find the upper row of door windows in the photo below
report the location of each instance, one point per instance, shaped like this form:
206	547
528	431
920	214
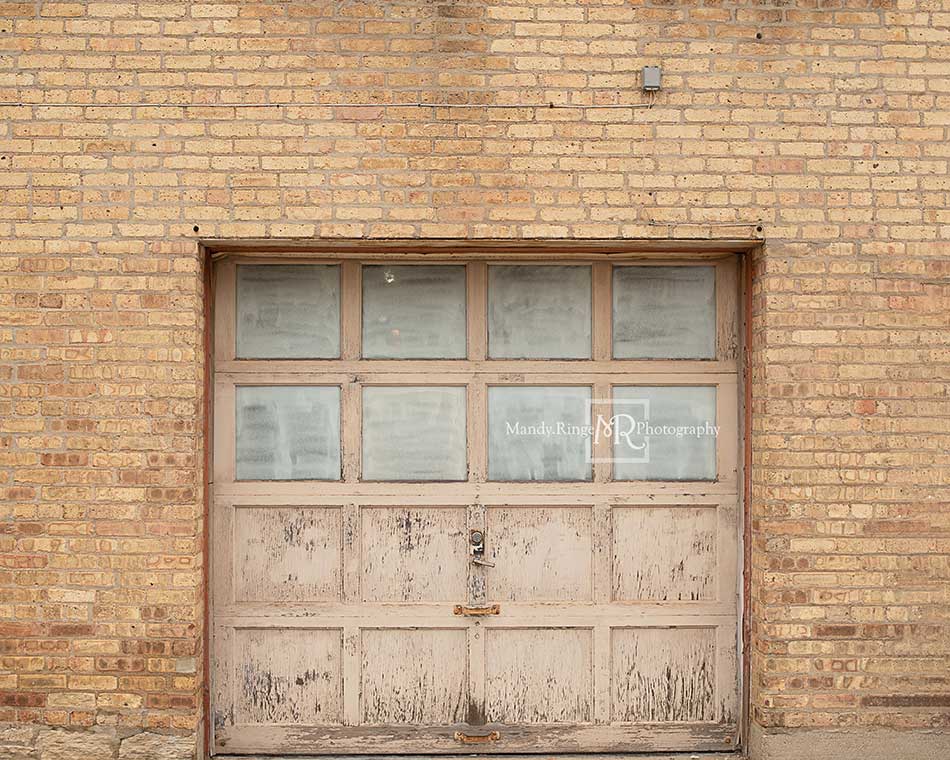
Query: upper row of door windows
416	311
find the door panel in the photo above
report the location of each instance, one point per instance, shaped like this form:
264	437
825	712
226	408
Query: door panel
288	676
414	554
541	554
432	551
582	648
287	554
661	675
539	675
663	554
415	677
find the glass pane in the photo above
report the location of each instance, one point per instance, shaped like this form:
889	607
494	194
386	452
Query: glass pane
288	311
414	312
664	312
288	432
414	433
665	433
539	312
539	433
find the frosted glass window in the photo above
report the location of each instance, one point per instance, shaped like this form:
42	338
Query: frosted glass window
539	433
415	433
672	433
664	312
414	312
288	432
539	312
288	311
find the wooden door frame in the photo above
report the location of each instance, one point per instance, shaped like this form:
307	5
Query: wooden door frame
746	250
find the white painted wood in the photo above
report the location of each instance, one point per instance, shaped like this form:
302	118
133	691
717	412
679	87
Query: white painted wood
223	444
351	429
479	756
601	663
664	553
477	423
602	328
352	667
727	308
414	554
544	739
334	626
291	492
413	676
288	676
541	554
510	614
664	675
525	367
223	276
351	299
539	675
477	311
287	554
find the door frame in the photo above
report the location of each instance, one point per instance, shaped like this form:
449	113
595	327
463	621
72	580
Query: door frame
747	250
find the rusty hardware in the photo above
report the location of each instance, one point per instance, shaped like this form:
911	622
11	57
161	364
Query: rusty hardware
477	541
492	609
494	736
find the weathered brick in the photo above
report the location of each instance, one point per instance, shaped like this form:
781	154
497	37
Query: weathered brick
825	137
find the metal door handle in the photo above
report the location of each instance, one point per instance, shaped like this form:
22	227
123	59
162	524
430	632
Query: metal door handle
492	609
494	736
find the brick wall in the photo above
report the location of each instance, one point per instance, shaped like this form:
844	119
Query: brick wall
820	127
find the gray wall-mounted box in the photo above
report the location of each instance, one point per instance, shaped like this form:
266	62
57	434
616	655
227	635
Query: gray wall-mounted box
651	78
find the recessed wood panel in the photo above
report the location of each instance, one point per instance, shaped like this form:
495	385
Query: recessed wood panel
540	553
287	554
663	674
664	554
288	676
414	554
414	676
538	675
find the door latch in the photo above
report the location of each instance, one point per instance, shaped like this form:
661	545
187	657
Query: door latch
477	542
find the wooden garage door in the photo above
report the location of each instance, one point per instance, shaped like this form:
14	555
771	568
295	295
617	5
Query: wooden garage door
474	506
